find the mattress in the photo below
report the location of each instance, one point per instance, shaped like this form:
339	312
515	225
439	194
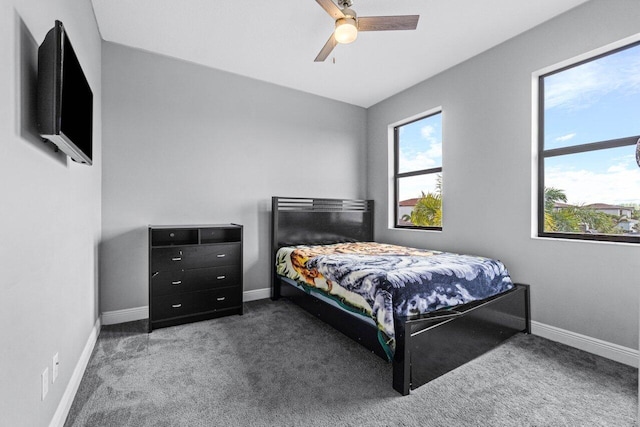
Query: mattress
384	282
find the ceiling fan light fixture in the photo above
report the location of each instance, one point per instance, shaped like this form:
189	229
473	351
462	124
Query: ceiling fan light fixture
346	30
348	25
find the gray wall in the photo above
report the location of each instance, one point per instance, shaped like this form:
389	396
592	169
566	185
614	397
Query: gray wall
50	215
185	144
586	288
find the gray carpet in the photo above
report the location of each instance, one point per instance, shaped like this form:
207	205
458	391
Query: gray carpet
279	366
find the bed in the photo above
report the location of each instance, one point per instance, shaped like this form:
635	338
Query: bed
422	340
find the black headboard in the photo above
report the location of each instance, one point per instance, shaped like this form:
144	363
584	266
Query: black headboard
299	221
308	221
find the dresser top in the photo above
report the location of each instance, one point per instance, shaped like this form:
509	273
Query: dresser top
192	226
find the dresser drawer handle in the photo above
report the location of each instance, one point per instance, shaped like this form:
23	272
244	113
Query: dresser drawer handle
176	305
176	282
177	258
221	277
221	298
221	255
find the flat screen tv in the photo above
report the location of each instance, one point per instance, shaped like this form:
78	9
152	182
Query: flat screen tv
64	100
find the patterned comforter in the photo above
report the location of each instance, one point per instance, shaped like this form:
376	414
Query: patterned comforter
381	280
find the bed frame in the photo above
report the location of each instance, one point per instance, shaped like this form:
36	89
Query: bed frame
427	346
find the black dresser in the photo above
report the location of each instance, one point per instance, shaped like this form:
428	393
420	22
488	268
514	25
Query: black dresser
195	273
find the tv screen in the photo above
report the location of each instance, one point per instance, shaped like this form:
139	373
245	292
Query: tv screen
65	100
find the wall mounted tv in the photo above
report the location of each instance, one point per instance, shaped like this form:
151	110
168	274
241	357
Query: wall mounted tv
65	100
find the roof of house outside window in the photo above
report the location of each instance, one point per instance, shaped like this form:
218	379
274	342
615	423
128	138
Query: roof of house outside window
607	206
596	206
408	202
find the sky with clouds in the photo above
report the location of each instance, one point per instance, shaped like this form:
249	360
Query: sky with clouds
420	148
596	101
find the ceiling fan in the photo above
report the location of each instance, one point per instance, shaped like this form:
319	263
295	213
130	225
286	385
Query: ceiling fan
348	24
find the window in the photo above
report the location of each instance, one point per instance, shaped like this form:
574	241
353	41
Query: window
589	125
418	173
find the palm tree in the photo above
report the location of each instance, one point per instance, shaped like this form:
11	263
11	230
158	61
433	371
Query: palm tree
574	219
551	196
427	211
552	221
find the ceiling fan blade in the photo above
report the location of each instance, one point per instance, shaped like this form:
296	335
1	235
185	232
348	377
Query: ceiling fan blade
384	23
331	8
326	49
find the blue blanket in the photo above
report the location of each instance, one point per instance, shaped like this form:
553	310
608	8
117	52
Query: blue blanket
387	281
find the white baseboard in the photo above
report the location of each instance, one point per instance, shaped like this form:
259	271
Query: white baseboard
69	394
256	294
126	315
616	352
140	313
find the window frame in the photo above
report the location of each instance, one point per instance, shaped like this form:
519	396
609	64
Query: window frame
575	149
397	176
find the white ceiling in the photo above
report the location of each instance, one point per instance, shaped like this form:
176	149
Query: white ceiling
276	41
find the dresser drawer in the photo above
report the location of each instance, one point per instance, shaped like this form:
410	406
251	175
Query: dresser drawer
168	306
214	277
218	299
178	281
214	255
168	282
164	259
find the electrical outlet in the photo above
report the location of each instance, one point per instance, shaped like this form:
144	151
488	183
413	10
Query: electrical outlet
45	382
54	372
